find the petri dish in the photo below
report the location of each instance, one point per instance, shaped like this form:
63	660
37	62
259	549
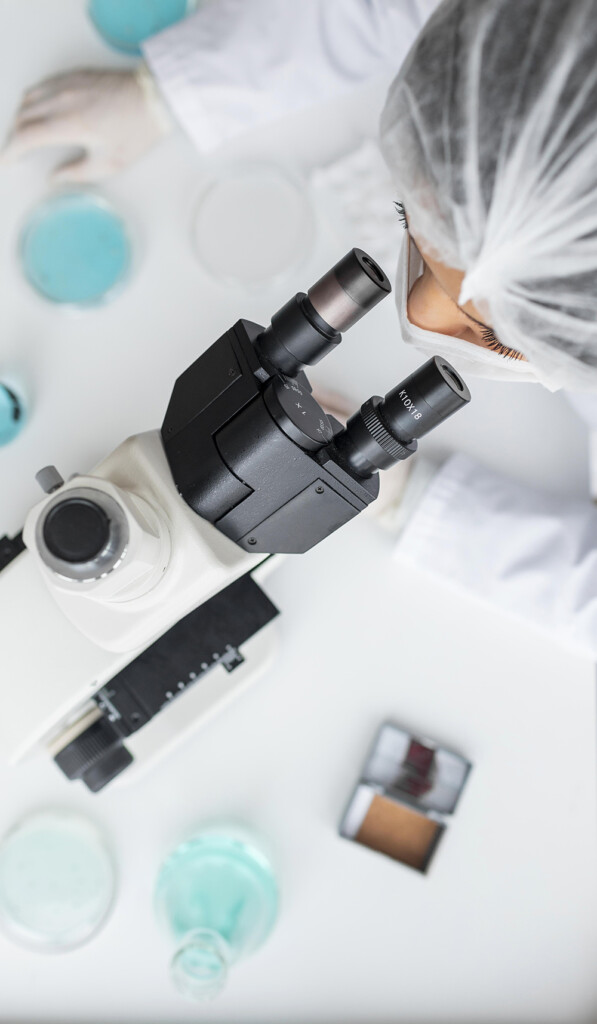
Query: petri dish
12	414
57	881
75	249
252	225
124	24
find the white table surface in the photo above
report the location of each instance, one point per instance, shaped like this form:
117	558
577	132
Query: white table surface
504	928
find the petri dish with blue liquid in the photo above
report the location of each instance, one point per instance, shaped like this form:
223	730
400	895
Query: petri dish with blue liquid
75	249
12	413
57	881
125	24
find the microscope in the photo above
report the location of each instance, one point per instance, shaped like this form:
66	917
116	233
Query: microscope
132	604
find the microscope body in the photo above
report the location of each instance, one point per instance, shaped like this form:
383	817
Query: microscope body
132	606
174	560
252	452
70	639
59	686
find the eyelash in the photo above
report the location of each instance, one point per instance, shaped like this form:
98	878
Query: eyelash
487	334
491	341
402	215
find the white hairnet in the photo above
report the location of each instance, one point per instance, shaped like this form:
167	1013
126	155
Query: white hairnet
490	131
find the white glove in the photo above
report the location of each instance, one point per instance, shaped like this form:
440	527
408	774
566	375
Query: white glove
113	116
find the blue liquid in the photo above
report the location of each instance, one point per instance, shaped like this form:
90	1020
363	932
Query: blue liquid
56	881
124	24
216	896
12	415
74	249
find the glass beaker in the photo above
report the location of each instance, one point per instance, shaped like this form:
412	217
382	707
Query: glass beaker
12	413
125	24
217	897
75	248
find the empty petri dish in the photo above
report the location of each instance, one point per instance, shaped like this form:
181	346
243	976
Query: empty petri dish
252	225
57	881
124	24
12	414
75	248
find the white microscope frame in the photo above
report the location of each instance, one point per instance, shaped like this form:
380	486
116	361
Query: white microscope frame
61	641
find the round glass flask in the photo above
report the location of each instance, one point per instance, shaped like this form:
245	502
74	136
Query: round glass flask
217	898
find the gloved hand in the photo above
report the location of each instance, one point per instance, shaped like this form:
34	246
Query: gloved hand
113	116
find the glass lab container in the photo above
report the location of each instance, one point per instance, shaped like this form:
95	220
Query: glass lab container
253	224
12	413
217	899
57	881
75	248
125	24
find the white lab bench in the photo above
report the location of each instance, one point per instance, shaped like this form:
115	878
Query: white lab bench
504	927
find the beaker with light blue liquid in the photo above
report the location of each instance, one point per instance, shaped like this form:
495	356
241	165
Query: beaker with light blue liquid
12	413
75	248
217	898
125	24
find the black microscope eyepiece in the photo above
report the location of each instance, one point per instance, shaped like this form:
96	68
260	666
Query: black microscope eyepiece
425	399
385	430
309	326
250	448
349	290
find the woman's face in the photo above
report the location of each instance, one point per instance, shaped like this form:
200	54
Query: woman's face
433	306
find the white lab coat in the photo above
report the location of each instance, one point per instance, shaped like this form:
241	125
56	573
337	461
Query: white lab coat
236	64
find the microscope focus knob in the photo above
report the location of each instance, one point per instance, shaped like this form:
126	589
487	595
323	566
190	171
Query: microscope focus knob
49	479
96	755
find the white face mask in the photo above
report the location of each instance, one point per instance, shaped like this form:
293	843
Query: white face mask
468	359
